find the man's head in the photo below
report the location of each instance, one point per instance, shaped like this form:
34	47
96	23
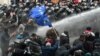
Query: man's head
88	32
34	36
82	38
89	28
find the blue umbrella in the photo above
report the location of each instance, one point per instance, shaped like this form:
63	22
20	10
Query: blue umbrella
38	13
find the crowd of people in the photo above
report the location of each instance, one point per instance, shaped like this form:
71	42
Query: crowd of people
54	44
56	11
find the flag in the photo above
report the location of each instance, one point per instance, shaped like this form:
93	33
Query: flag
43	21
38	13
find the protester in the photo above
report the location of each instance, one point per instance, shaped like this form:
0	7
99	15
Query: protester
89	35
33	45
79	41
17	49
48	49
64	38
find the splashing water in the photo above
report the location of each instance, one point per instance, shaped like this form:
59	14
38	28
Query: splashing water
74	24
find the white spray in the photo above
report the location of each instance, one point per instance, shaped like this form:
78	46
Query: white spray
73	22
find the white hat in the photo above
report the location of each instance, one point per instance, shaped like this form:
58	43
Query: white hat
63	34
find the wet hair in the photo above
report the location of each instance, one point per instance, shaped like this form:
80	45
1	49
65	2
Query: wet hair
88	28
33	35
52	33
